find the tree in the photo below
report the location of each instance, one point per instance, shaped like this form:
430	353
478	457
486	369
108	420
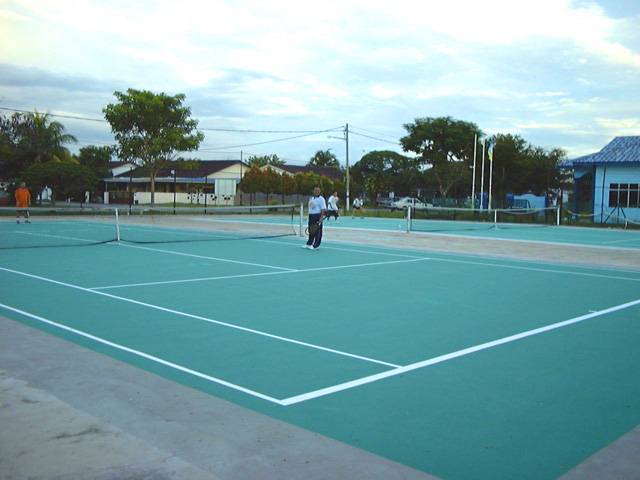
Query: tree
29	139
380	171
262	160
96	158
287	185
269	182
519	167
67	180
47	138
324	158
445	145
151	128
13	158
305	182
251	182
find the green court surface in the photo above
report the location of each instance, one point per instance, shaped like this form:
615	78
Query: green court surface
589	236
463	367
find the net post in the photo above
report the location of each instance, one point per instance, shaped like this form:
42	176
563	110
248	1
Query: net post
301	219
408	219
495	218
117	220
557	216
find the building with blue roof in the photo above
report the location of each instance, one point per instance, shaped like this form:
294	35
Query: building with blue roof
606	183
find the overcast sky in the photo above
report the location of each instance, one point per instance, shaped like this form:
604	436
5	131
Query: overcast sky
559	73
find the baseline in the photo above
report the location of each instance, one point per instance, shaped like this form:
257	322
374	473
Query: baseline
450	356
143	355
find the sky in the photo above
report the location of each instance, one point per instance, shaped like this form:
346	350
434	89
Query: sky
559	73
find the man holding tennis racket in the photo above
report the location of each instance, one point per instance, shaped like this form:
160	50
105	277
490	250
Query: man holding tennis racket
317	208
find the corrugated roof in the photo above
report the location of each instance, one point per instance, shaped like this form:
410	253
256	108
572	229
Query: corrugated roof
204	168
324	171
619	150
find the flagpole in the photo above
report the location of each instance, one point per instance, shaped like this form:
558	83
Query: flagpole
473	181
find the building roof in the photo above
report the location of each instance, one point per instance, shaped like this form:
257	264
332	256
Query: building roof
329	172
203	169
620	150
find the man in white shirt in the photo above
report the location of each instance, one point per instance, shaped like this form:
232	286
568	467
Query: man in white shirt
317	209
357	207
332	207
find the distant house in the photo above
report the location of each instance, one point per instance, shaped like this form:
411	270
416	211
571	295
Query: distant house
606	183
330	172
211	181
118	168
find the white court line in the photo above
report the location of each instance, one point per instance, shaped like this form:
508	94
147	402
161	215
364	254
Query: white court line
326	247
535	269
204	279
144	355
188	280
58	236
449	356
226	260
623	241
205	257
516	267
204	319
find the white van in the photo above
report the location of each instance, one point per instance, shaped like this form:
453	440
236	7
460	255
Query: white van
408	202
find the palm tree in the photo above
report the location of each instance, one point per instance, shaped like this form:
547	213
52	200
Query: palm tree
46	139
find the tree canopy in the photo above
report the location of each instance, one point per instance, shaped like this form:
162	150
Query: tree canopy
445	145
324	158
262	160
151	128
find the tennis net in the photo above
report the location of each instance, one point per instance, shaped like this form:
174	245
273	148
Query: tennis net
434	219
82	226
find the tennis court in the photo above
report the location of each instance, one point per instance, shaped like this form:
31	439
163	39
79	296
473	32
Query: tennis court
615	237
459	366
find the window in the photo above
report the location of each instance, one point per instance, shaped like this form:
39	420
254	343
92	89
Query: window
624	195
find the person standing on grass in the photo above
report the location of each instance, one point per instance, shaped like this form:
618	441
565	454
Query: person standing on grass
317	209
332	207
357	207
23	201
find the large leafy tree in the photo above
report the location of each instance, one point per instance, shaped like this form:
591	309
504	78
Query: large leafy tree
27	139
96	158
385	170
519	167
444	145
67	180
324	158
151	128
13	130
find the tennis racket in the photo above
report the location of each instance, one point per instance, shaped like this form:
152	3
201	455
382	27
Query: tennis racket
312	229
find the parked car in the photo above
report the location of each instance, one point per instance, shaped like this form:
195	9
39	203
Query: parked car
408	202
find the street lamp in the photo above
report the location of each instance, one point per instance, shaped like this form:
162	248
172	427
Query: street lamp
345	138
130	189
173	172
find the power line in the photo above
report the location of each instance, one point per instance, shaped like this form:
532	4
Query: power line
74	117
57	115
374	138
373	132
268	141
267	131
